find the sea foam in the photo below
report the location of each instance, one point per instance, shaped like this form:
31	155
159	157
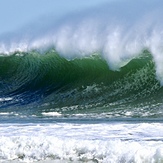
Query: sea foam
76	142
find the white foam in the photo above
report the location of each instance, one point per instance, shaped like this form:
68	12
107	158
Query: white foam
5	113
101	142
5	99
51	114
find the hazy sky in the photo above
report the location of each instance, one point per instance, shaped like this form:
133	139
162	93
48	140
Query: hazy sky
17	13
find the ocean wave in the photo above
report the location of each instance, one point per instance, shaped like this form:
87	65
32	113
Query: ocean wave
79	84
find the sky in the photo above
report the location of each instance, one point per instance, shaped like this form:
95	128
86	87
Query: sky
15	14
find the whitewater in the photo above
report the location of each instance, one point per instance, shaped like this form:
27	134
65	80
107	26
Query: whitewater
85	87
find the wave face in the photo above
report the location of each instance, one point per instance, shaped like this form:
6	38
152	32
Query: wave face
86	85
105	60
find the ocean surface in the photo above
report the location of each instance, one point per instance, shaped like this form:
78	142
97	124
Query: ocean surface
85	88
